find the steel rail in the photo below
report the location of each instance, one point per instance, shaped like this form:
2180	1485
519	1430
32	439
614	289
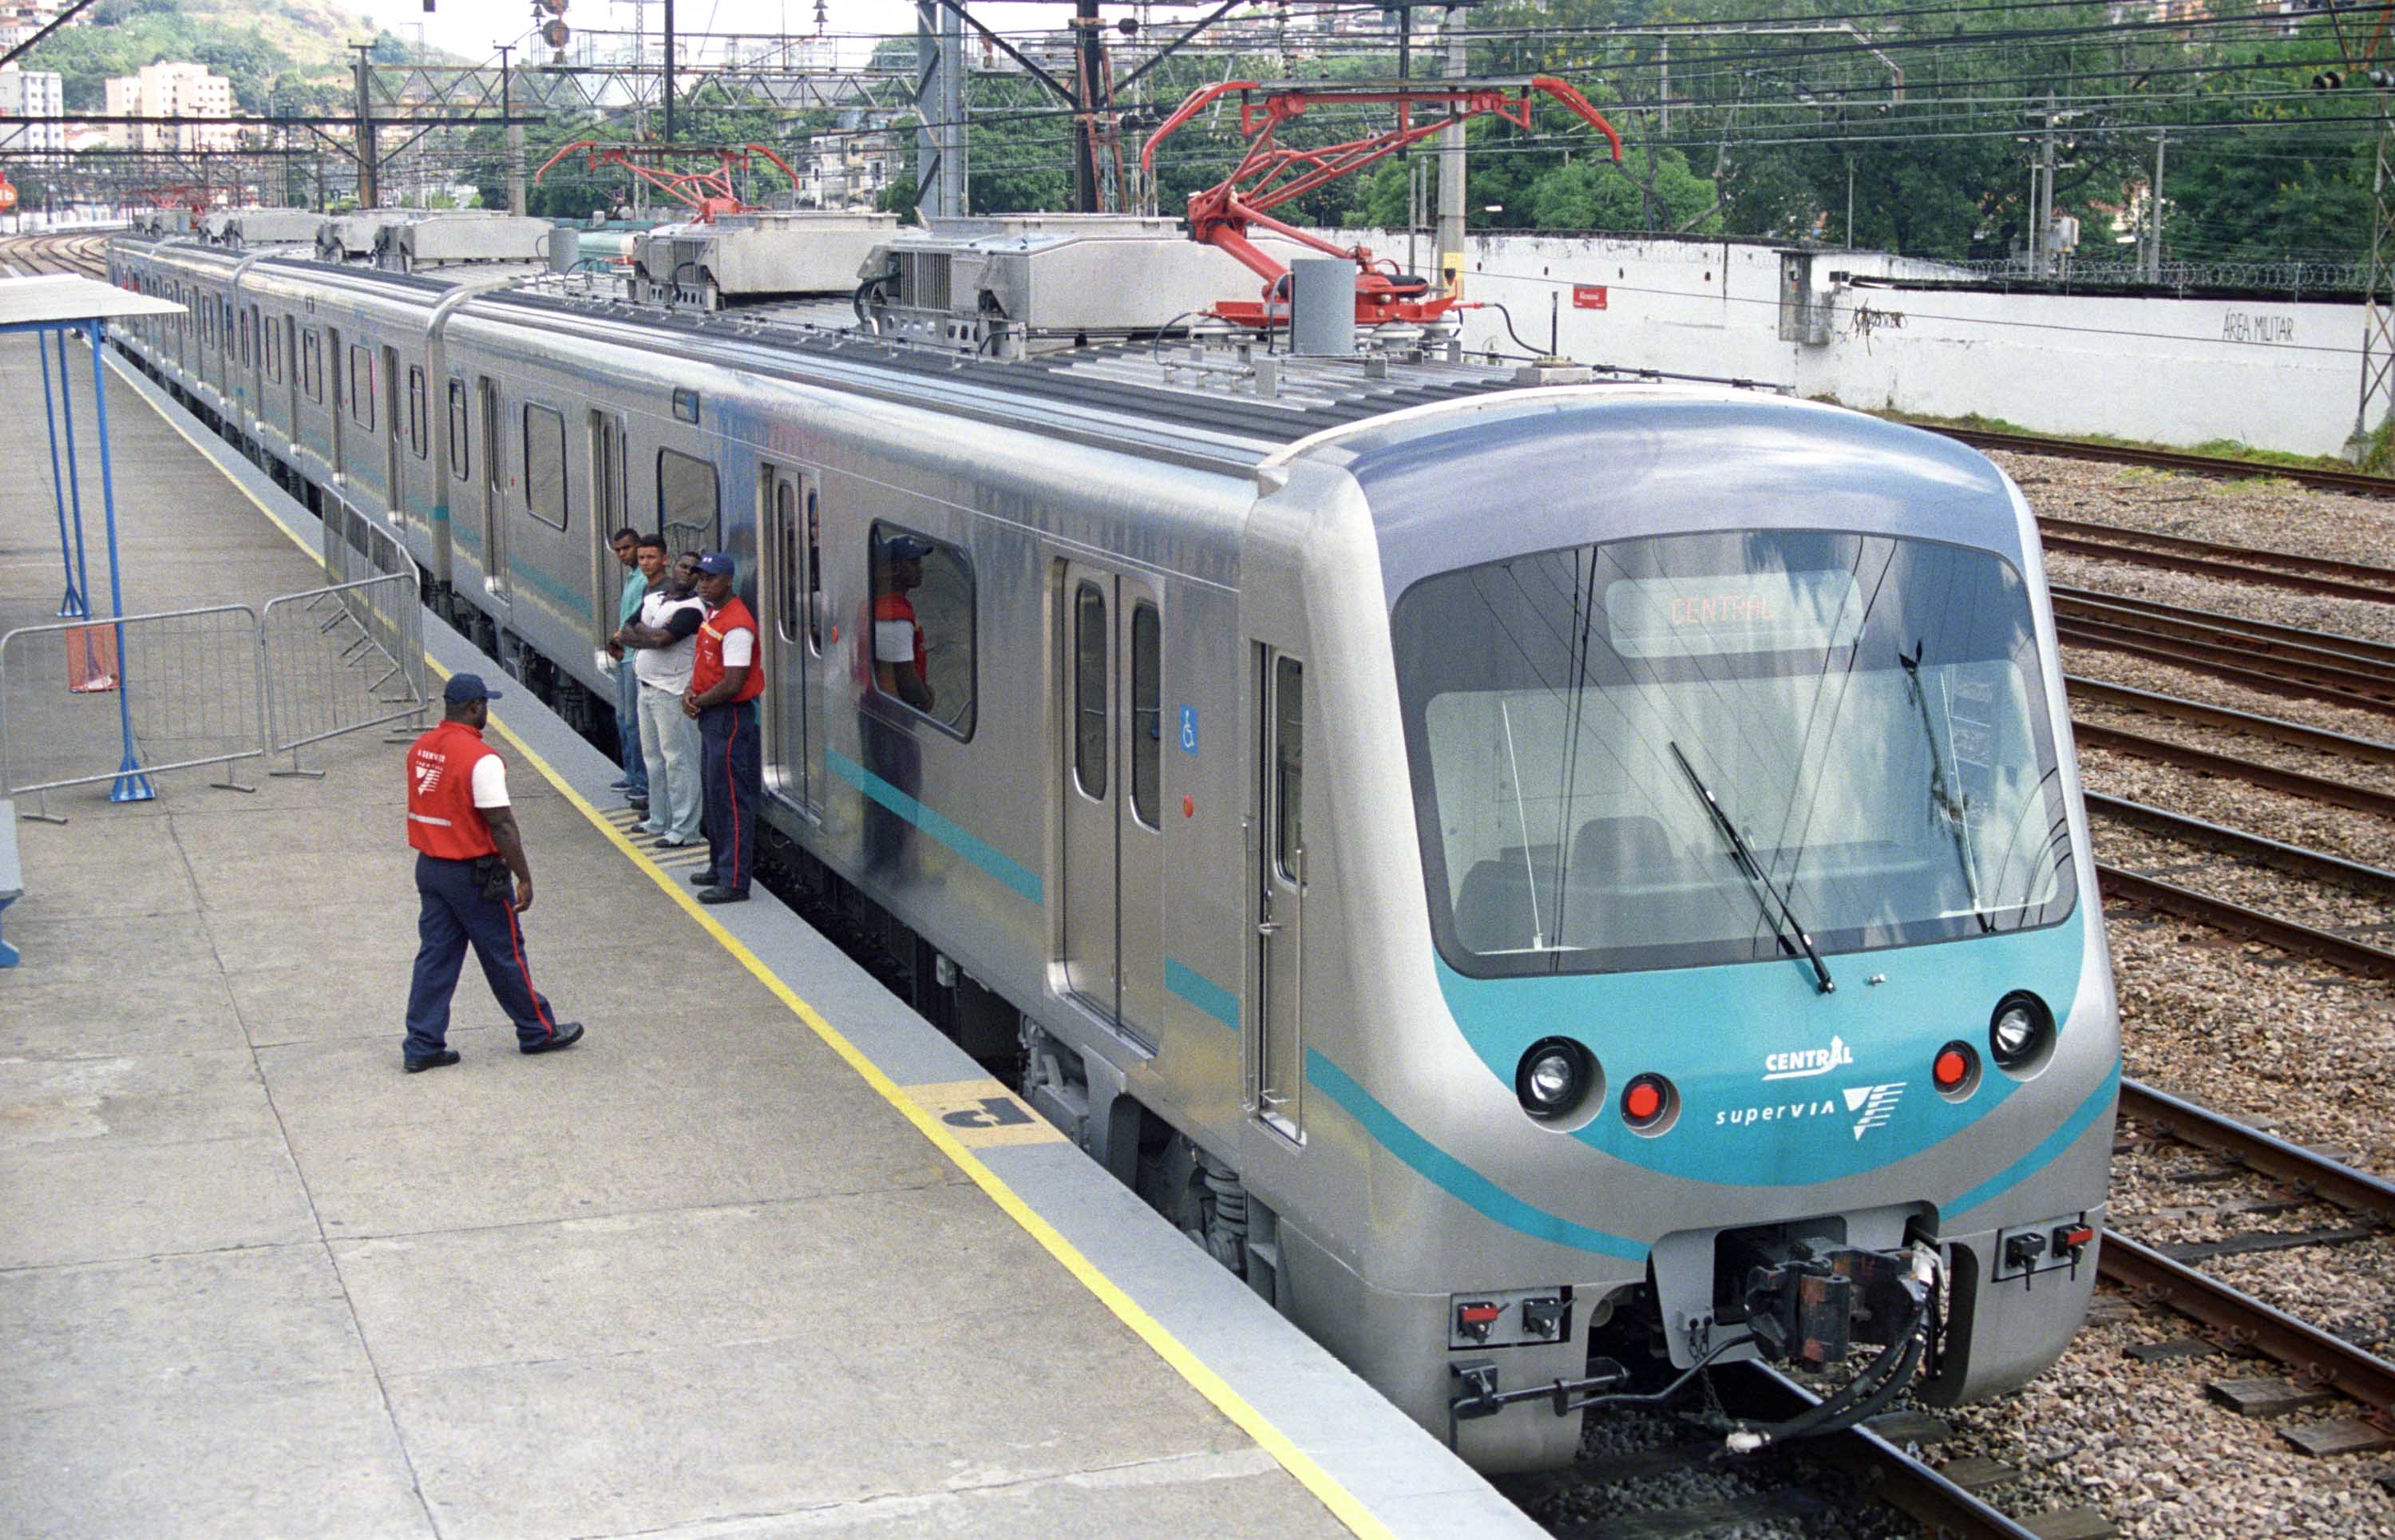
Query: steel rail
2320	789
2362	750
2381	592
2353	482
2277	855
2253	925
2343	642
2314	1355
2348	1187
2363	573
2367	680
2293	643
1761	1392
2271	683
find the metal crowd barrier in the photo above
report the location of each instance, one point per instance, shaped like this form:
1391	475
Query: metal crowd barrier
186	684
86	702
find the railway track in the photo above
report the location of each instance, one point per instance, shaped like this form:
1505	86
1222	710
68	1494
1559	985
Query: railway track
2286	569
2355	483
32	256
2259	654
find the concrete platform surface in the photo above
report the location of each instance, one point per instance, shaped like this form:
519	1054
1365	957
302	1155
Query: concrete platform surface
711	1272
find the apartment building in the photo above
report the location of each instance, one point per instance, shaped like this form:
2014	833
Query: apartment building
32	93
181	90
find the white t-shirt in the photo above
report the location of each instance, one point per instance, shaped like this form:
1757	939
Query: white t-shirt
490	785
739	648
667	668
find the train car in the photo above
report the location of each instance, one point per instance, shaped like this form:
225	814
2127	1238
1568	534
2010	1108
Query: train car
1558	882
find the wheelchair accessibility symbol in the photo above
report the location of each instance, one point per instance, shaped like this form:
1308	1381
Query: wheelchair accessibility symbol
980	1113
1189	729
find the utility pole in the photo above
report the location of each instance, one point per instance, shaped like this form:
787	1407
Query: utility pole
515	133
668	73
2154	214
369	173
1088	86
940	174
1450	169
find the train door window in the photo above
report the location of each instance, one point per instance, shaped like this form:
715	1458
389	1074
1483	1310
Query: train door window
362	386
1147	712
1288	763
461	452
923	622
544	465
814	574
245	322
686	505
312	369
273	348
786	560
416	412
1090	690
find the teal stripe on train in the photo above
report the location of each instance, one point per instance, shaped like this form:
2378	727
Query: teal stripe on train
2053	1145
964	841
1453	1176
1202	992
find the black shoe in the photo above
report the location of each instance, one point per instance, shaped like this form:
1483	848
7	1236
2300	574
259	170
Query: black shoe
568	1033
440	1060
704	879
637	803
724	896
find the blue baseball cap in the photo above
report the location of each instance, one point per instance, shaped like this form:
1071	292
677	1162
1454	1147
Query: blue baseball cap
905	548
716	563
465	688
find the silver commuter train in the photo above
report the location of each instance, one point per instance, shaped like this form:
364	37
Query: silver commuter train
1558	886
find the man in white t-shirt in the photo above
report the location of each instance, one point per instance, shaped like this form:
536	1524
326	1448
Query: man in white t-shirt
662	640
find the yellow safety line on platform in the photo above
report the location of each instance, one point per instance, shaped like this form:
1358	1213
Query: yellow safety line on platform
1343	1504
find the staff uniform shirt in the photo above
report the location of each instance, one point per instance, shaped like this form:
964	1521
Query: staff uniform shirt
728	639
669	667
897	636
450	760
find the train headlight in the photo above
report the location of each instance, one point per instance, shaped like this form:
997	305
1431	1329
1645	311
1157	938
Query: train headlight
2020	1033
1555	1078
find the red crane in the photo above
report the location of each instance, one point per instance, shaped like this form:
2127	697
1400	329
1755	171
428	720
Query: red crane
1272	174
705	193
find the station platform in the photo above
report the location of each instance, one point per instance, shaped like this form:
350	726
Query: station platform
764	1254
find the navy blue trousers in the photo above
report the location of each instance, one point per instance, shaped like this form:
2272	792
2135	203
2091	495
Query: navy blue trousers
731	773
452	916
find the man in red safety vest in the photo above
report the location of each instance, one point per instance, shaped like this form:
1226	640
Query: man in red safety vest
726	677
467	845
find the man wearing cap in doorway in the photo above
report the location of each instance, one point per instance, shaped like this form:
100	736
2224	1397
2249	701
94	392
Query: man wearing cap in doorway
467	845
726	677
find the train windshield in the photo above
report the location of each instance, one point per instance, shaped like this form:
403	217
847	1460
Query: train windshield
1867	714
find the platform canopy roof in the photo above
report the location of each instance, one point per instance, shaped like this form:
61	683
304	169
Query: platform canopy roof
56	299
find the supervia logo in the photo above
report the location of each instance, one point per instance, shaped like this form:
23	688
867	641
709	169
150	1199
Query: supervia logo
1808	1061
1876	1103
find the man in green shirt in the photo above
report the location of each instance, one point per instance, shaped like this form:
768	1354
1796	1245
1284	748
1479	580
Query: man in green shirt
634	781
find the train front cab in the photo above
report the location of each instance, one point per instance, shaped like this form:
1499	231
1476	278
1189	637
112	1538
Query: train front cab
1833	632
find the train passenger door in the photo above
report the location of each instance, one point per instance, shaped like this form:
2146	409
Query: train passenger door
607	505
790	516
1112	882
394	398
1276	1039
494	483
336	393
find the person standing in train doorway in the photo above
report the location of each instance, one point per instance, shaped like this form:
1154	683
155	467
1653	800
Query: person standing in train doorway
466	847
726	677
634	781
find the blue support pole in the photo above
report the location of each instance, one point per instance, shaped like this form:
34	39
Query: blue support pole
72	606
74	475
131	784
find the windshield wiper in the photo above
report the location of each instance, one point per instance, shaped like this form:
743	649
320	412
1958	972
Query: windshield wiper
1775	909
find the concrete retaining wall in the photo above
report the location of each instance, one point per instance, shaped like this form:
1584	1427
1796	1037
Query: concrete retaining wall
2273	374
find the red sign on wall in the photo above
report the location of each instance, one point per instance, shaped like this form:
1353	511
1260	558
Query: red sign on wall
1588	296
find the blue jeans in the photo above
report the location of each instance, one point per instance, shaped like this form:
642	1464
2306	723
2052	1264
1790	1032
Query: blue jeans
627	728
453	915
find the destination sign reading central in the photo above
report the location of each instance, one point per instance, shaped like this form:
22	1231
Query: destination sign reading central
1744	612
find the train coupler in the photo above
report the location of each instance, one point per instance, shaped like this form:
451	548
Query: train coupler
1816	1306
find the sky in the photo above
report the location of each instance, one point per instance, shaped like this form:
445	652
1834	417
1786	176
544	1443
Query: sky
471	27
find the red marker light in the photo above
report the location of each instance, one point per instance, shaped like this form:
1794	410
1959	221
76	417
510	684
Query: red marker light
1949	1069
1645	1100
1188	807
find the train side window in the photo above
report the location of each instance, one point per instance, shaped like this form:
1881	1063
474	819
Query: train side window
814	575
686	506
415	413
1288	763
361	387
1146	711
461	453
544	465
786	561
1089	689
924	606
